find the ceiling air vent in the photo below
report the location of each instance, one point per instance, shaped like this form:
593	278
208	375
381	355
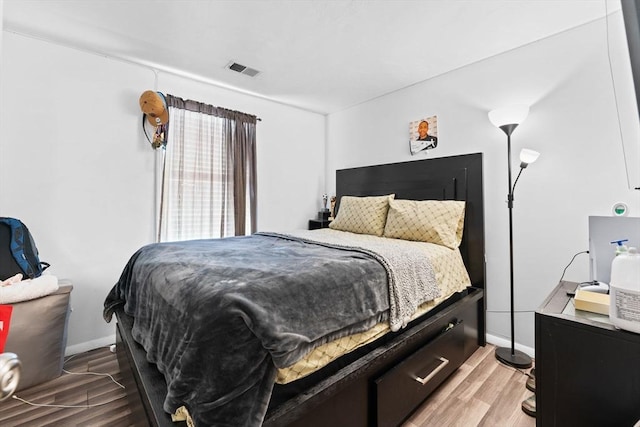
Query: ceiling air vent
242	69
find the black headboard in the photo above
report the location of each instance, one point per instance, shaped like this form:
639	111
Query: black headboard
445	178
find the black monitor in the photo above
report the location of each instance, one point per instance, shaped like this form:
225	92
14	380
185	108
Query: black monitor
631	17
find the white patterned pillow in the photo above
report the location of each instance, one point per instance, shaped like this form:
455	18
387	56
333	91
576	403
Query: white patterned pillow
433	221
362	215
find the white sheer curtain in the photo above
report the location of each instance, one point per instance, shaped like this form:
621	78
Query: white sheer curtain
208	182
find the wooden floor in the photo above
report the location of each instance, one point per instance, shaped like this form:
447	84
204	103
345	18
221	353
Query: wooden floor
73	390
481	393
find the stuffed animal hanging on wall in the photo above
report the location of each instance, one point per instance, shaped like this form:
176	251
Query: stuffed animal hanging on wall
154	109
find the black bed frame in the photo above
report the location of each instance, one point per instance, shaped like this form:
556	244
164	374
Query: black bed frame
379	388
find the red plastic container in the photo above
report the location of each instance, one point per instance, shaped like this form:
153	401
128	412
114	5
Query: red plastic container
5	320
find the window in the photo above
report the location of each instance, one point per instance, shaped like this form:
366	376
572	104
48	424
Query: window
209	173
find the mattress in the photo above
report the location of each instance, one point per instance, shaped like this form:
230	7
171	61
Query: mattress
451	276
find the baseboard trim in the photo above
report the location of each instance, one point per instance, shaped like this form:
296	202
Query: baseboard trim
501	342
90	345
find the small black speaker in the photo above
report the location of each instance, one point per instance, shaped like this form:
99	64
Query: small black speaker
323	215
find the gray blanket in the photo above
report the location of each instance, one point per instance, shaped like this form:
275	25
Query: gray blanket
218	316
412	279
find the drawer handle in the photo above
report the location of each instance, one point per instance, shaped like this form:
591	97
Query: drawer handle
433	373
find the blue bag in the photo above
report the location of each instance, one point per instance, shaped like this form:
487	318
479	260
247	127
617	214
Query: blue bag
18	252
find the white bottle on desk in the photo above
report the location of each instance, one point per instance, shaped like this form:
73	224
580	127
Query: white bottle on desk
624	305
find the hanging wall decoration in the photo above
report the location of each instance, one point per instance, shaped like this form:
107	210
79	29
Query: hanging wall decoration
423	134
154	109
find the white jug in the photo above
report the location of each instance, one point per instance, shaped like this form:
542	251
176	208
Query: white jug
624	305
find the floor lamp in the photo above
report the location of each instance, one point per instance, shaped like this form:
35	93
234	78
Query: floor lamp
508	119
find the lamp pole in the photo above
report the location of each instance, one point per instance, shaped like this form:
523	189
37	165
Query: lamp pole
511	356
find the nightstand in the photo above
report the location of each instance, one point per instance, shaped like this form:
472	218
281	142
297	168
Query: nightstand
321	221
315	224
587	371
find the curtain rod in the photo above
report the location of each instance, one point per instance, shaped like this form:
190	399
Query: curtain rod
199	106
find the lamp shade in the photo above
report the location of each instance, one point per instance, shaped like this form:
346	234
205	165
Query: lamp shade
528	156
512	115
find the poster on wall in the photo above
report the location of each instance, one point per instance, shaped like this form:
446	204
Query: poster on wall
423	135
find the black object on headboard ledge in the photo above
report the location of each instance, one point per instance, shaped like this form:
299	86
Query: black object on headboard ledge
446	178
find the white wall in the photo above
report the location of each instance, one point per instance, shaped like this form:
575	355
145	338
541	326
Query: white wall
74	164
572	122
77	169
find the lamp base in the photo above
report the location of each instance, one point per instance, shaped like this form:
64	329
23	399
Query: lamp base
518	359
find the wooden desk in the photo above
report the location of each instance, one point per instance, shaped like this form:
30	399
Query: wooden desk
587	371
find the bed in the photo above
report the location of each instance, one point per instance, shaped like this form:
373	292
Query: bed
379	383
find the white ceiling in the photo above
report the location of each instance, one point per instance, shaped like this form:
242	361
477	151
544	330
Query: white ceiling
319	55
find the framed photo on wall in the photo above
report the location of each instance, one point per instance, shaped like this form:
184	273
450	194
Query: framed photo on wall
423	134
